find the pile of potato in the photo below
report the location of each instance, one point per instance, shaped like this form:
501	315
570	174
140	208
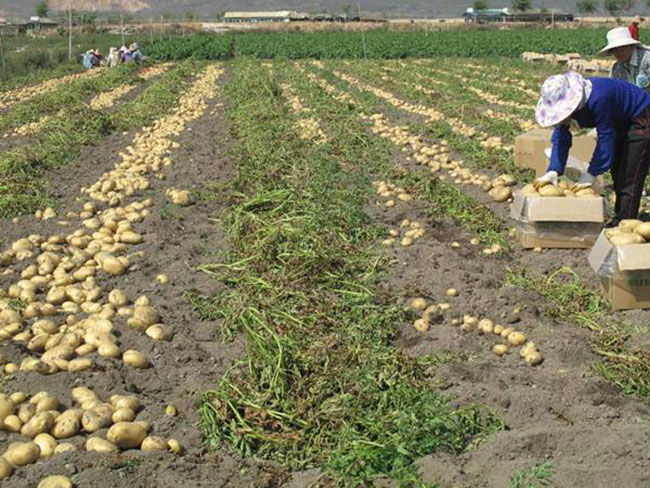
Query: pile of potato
308	127
42	419
436	157
181	198
389	190
470	323
61	278
563	189
407	233
11	97
152	71
107	99
629	231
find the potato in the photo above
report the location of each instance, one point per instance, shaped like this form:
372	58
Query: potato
12	423
174	446
80	364
506	332
123	414
498	329
516	338
452	292
6	469
113	266
6	407
18	397
39	423
170	410
643	229
500	193
125	401
22	454
550	191
100	445
153	443
55	482
66	425
421	325
626	238
135	359
586	193
117	298
130	237
163	279
486	326
108	350
500	349
46	443
160	332
65	447
534	358
528	349
419	304
127	435
26	412
97	418
82	393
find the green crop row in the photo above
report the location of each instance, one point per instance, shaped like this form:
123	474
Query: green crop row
381	44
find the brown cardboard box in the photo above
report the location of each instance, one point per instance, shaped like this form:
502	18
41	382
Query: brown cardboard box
557	222
624	273
530	147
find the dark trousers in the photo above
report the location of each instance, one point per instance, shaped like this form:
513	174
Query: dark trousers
630	168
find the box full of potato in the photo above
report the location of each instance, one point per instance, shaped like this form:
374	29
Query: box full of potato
557	216
621	259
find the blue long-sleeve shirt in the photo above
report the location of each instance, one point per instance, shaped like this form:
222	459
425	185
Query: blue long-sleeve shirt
611	108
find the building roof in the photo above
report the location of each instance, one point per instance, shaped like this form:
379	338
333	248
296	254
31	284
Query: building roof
282	14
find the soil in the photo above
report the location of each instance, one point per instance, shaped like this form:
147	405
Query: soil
177	241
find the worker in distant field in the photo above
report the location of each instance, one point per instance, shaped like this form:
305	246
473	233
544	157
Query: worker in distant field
621	113
113	58
632	57
91	59
136	53
634	27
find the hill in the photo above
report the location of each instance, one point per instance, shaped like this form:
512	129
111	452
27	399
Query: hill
208	9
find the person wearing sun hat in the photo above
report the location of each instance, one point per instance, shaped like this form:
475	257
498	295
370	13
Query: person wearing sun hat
620	111
632	57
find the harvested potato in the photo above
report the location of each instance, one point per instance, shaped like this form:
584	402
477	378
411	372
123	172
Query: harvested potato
626	238
124	414
46	443
643	229
550	191
65	447
127	435
100	445
174	446
500	349
55	482
22	454
160	332
66	425
516	338
534	358
170	410
6	469
153	443
39	423
421	325
419	304
135	359
452	292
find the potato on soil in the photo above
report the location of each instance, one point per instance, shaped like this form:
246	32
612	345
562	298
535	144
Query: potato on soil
516	338
419	304
135	359
500	349
127	435
22	454
153	443
5	469
174	446
421	325
55	482
100	445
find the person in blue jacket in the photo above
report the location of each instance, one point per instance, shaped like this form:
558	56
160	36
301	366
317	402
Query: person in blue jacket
620	112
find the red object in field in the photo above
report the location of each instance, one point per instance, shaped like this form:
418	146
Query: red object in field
634	30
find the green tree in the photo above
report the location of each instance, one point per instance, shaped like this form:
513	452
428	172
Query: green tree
587	6
482	5
189	16
42	9
521	5
346	8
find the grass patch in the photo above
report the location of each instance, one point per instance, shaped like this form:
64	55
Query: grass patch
568	300
322	383
537	476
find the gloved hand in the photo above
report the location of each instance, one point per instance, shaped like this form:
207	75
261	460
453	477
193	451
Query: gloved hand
549	178
586	180
642	80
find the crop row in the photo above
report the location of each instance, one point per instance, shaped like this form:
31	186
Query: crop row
379	44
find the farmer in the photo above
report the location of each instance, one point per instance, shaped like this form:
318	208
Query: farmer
620	112
127	56
632	58
91	59
634	27
113	58
135	52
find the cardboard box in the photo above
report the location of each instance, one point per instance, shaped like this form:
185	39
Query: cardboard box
530	148
624	273
557	222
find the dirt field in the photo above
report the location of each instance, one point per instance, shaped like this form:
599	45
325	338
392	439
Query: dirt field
590	430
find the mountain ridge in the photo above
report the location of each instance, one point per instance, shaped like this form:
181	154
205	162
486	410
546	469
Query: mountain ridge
209	9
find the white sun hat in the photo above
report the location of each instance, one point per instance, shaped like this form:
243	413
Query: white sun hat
618	37
561	96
